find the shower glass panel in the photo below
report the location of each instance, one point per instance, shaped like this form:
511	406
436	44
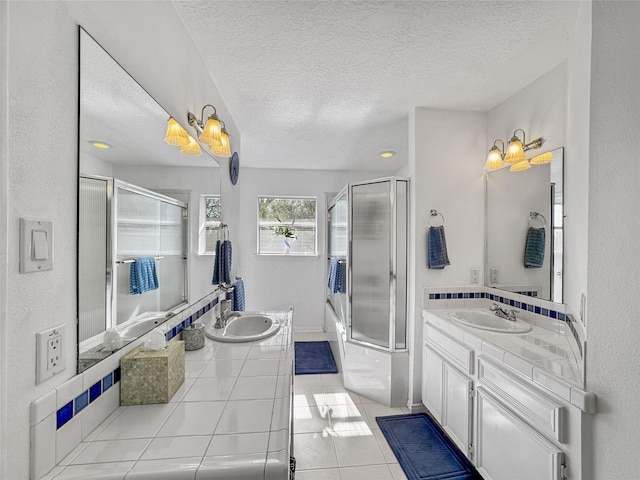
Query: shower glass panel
401	242
92	256
338	246
370	265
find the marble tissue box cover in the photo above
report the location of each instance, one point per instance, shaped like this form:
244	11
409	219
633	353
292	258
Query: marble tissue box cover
151	376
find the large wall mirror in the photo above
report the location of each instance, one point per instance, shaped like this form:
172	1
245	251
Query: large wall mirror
139	199
524	229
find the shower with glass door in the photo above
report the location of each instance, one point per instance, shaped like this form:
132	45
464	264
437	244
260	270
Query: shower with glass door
367	225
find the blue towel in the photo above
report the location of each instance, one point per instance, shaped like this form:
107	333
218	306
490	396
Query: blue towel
225	272
337	277
437	257
216	265
534	248
238	296
142	276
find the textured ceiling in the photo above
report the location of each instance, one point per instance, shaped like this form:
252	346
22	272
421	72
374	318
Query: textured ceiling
329	84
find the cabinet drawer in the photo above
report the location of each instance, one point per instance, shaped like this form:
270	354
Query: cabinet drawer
450	349
541	412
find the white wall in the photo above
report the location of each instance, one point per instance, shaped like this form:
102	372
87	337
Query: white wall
276	282
39	75
447	153
614	228
197	182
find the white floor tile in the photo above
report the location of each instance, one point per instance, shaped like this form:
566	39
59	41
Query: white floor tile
192	368
232	352
165	469
176	447
304	399
259	351
194	418
343	418
337	395
384	446
260	367
310	419
205	353
322	474
210	390
374	410
112	451
305	382
303	336
111	470
358	450
319	336
397	472
331	379
313	451
379	472
182	390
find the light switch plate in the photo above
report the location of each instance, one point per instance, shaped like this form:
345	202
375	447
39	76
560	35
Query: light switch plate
36	245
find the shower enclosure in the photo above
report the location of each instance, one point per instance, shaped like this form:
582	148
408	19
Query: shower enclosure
367	225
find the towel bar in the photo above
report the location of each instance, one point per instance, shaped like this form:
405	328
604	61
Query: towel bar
131	260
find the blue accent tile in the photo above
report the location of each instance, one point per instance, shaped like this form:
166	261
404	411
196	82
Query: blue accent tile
107	382
174	332
448	296
501	299
81	401
554	314
465	295
64	414
116	375
538	310
545	312
512	303
561	316
95	391
530	308
207	307
437	295
167	336
454	295
518	305
523	306
202	311
179	328
432	296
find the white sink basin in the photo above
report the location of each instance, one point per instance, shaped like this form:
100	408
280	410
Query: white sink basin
247	327
489	321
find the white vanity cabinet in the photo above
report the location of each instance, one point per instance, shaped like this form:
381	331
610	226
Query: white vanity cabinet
508	424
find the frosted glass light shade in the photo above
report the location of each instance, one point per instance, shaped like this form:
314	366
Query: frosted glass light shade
520	166
191	149
515	151
175	134
494	159
212	131
222	148
542	159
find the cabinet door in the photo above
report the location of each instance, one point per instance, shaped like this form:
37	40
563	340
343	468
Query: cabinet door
457	407
508	448
432	382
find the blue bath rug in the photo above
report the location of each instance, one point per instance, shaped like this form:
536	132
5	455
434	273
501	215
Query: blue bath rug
423	450
314	357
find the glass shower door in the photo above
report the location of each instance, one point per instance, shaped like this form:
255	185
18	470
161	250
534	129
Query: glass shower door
370	263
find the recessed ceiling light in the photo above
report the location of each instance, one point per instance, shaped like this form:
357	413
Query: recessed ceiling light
387	154
99	144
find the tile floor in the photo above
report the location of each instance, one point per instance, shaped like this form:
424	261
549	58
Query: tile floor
336	434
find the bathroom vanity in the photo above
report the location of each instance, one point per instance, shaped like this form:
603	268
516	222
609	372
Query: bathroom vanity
513	403
232	418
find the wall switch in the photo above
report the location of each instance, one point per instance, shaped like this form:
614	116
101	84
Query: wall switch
49	353
36	245
475	275
493	275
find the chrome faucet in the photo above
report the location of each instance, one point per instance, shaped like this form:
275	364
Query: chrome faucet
502	313
225	314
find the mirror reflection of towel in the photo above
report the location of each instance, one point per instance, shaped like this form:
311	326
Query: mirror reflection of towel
143	276
437	256
337	280
222	263
534	247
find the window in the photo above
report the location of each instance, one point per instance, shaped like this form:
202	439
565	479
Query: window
210	220
287	226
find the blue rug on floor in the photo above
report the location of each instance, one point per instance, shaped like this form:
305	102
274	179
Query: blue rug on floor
423	450
314	357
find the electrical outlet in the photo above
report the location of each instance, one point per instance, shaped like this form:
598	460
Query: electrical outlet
49	353
494	277
475	275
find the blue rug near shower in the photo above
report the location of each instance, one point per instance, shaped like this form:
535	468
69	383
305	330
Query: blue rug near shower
314	357
423	450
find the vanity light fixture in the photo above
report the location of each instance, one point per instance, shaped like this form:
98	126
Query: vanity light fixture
387	154
191	149
175	134
213	132
515	155
222	148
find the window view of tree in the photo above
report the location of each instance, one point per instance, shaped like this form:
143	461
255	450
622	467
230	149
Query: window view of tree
211	224
287	226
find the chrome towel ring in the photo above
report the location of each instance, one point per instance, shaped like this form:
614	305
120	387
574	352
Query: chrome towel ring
435	213
536	216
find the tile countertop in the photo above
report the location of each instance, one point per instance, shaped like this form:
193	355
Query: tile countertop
544	357
230	419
